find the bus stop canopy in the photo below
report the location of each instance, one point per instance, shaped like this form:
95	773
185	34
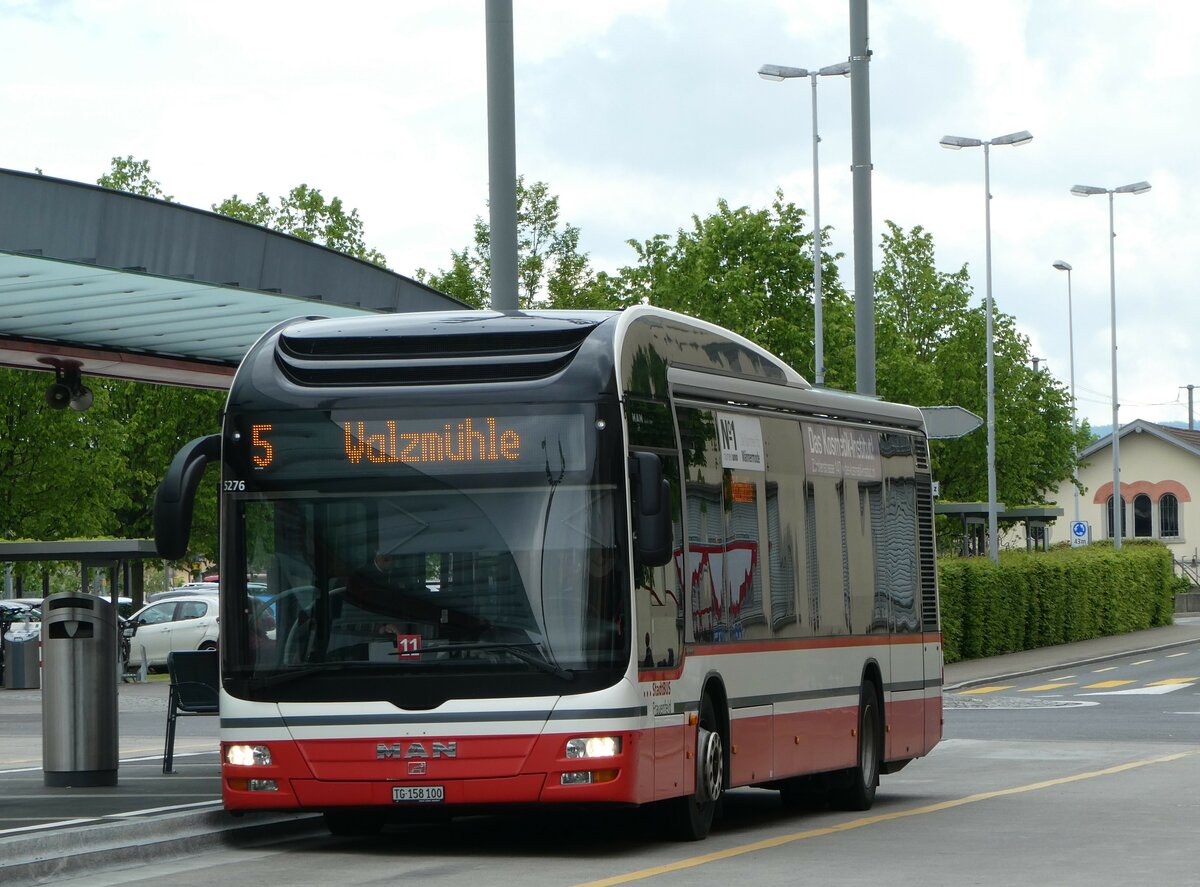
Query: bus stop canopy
130	287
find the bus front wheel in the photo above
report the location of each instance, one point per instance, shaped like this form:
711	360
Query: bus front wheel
692	816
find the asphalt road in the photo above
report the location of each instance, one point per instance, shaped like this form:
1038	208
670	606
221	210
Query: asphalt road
1080	777
1155	696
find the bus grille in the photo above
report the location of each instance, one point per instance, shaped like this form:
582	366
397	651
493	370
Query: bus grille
427	360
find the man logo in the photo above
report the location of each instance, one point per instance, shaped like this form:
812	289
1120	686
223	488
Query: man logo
416	768
416	750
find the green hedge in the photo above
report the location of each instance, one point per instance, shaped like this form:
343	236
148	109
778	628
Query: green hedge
1037	599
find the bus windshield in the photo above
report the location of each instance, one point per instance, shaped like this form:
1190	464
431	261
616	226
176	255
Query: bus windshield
494	578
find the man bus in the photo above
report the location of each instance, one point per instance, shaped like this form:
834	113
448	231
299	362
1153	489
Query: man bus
616	559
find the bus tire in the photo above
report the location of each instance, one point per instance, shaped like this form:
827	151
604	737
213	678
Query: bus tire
352	824
692	816
859	791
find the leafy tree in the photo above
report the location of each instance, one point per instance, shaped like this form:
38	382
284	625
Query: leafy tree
56	466
156	420
931	351
133	176
303	212
750	271
550	268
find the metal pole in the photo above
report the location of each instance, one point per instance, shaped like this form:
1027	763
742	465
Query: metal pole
993	532
1118	501
502	154
1074	420
1191	424
864	274
818	308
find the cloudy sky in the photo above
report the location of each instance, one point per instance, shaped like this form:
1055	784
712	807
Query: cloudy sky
641	113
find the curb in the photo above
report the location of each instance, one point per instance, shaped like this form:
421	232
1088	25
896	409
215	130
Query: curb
50	855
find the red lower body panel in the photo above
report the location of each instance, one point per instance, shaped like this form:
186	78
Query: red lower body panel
523	769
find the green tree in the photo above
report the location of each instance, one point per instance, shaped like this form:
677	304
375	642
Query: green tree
550	268
930	351
305	213
750	271
155	421
57	467
133	176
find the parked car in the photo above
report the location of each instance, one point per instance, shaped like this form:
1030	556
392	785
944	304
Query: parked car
181	622
184	590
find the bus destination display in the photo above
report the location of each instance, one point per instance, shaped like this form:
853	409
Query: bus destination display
346	444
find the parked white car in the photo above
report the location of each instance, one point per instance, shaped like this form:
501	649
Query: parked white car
182	622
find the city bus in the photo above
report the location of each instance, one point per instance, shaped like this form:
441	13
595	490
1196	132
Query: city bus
478	560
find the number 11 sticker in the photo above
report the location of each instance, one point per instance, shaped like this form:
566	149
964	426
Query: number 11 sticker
408	646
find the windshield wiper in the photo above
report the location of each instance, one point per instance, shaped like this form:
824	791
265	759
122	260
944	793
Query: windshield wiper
292	675
517	651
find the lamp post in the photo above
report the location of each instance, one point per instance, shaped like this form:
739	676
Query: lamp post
955	143
1118	502
782	72
1065	266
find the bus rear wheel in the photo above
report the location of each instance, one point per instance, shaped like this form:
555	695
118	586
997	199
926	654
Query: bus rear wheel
692	816
859	793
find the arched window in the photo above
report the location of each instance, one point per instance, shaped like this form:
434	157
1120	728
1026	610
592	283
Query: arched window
1168	516
1124	519
1143	517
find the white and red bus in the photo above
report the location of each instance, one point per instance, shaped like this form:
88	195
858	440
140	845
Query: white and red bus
476	559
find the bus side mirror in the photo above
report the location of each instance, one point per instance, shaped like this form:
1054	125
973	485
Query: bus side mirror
176	496
652	543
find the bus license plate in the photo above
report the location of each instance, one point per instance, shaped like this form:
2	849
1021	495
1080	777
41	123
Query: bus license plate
418	794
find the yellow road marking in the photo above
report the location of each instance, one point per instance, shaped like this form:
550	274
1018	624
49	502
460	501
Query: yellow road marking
1109	668
1169	681
781	840
992	689
1104	685
1042	687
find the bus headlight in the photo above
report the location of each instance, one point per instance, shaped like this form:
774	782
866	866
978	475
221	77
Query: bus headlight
248	755
594	747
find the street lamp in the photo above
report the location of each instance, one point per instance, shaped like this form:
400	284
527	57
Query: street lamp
1065	266
1118	502
782	72
954	143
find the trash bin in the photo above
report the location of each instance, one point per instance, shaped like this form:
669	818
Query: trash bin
21	660
79	691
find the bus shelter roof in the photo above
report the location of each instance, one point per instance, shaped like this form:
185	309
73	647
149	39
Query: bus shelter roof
87	551
131	287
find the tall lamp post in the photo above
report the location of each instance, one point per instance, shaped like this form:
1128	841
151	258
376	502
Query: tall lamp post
1118	502
1065	266
955	143
782	72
